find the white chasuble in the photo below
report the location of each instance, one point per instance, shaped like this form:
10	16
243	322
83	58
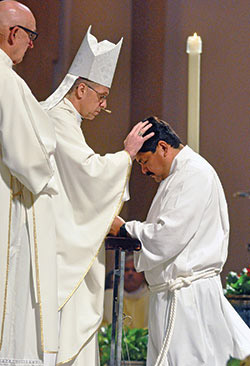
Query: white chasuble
91	190
184	247
28	288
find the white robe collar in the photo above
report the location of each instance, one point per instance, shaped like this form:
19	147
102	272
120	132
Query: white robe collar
179	158
69	106
5	58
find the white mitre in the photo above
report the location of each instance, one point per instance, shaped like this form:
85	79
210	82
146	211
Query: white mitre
95	61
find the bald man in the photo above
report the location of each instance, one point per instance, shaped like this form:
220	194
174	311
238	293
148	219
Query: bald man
28	286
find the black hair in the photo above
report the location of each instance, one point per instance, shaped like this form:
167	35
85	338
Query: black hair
162	131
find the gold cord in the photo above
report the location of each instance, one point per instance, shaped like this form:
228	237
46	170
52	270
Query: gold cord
8	260
37	270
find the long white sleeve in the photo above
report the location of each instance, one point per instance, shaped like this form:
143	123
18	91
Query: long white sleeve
177	221
26	134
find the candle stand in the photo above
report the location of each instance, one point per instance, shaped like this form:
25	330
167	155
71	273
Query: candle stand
120	246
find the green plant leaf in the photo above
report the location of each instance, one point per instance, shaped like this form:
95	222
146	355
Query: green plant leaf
233	362
134	342
238	284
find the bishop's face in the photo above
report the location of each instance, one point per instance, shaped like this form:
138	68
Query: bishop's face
94	100
155	164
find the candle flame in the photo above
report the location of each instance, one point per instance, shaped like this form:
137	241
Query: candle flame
195	34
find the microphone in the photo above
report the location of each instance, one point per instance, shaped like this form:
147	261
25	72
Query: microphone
106	110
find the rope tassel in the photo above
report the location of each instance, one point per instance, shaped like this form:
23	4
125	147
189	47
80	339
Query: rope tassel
173	286
166	343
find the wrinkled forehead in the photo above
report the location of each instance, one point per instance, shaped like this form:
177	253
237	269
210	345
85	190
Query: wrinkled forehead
142	156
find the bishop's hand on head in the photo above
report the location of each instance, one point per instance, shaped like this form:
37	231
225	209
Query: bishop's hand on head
135	138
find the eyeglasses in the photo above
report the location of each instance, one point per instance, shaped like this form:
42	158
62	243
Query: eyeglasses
32	35
102	97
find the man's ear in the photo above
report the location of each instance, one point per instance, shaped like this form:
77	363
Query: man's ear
163	147
81	90
12	35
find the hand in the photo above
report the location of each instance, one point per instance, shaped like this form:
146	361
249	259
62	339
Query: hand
115	227
135	140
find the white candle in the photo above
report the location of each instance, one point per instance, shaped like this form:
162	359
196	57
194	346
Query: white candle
194	49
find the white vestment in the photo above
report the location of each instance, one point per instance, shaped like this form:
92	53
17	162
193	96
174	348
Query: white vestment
91	190
186	235
28	285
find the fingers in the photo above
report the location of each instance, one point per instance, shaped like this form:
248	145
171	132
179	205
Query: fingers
146	125
135	138
145	138
140	128
120	219
115	227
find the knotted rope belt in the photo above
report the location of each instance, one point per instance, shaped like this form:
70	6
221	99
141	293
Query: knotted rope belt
173	286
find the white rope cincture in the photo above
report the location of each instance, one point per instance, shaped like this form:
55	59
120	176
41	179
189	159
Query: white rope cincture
173	286
166	343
